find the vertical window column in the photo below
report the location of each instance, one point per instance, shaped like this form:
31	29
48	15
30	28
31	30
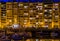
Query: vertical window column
9	13
3	14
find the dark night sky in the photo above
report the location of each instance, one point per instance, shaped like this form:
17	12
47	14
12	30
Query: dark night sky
29	0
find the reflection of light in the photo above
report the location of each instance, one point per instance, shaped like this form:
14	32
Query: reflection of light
54	34
37	40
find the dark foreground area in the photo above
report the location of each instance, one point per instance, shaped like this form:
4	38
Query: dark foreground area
29	33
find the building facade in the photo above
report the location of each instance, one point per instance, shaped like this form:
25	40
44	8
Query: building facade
30	14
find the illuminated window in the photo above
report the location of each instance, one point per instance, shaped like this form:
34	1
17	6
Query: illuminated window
15	26
37	16
45	15
56	16
3	14
50	10
25	13
9	6
36	6
31	18
39	8
39	3
9	11
3	6
56	4
40	13
37	23
10	20
25	6
24	22
20	5
30	11
45	10
50	15
45	5
50	20
46	26
45	20
55	26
